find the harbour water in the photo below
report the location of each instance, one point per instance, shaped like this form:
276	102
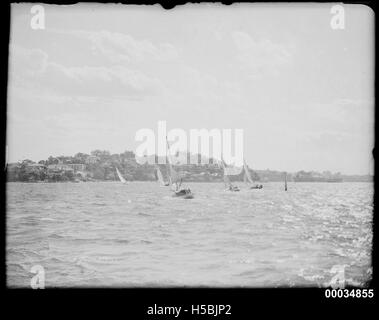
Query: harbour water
106	234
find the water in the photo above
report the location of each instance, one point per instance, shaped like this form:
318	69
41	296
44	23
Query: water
107	234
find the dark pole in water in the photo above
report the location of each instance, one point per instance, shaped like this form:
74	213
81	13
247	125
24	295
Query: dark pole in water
285	181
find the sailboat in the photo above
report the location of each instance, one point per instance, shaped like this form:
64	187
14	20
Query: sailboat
120	176
176	181
227	172
247	177
160	178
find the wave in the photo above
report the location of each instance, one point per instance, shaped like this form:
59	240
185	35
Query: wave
144	214
267	235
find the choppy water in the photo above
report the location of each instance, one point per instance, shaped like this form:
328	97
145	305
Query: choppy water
109	234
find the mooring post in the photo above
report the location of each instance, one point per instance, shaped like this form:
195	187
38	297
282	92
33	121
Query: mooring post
285	181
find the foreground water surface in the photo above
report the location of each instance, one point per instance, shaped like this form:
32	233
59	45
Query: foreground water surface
106	234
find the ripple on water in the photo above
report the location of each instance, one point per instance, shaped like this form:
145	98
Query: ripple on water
108	234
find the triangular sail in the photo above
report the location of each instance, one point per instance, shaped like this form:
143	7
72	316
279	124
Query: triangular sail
160	177
120	176
231	170
174	178
247	175
226	175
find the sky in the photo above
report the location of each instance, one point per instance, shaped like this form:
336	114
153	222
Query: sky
302	92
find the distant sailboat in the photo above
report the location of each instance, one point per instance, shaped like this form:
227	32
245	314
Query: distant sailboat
247	177
120	176
227	172
160	178
176	180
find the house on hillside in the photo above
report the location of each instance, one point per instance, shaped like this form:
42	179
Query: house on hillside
59	168
92	159
77	166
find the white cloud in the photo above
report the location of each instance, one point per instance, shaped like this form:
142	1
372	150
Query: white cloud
26	62
31	67
120	47
260	56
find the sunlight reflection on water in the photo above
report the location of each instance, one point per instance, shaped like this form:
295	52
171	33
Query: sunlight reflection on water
109	234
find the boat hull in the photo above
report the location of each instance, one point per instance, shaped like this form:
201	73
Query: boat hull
234	189
256	187
184	194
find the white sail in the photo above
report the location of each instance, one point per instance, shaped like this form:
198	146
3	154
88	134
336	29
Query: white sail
226	176
174	177
160	177
172	172
231	170
247	173
120	176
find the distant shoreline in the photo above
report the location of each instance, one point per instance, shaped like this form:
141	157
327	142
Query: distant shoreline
101	165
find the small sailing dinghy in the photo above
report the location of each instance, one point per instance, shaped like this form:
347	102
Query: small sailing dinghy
228	171
176	181
247	178
160	178
120	176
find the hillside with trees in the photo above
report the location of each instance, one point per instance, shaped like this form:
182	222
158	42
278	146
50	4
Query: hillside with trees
100	165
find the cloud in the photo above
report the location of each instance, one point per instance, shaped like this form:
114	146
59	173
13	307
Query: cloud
26	63
260	56
126	47
31	67
120	47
